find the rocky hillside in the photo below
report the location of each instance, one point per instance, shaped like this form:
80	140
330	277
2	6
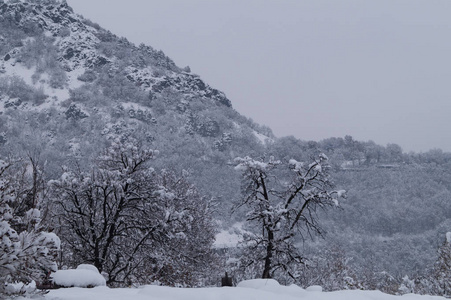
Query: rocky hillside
81	45
68	87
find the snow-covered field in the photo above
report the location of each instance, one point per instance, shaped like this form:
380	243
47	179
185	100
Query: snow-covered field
258	289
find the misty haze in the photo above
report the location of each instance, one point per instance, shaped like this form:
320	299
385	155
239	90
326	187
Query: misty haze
270	149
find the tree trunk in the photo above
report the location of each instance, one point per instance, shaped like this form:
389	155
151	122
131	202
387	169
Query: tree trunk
268	257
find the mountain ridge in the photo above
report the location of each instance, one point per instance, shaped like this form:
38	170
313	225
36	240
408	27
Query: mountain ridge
78	39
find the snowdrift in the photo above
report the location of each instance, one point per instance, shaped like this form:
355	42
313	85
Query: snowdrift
84	276
257	289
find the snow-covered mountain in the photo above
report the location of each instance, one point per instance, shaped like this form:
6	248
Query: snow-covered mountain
67	86
82	45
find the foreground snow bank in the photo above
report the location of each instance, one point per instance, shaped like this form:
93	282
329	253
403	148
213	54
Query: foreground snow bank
247	290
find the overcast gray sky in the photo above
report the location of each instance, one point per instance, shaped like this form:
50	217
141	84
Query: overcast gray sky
376	70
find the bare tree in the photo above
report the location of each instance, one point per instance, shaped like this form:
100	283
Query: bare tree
104	214
126	219
283	208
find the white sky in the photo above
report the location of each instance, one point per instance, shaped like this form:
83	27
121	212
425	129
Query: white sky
376	70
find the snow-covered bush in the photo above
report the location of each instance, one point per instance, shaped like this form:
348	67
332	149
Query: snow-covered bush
331	269
27	252
407	286
84	276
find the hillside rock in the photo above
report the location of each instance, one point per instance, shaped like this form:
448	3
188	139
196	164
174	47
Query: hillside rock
68	87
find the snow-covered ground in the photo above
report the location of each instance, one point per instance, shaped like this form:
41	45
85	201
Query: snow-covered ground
84	276
258	289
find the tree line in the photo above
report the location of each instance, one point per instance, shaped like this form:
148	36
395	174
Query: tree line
135	224
138	225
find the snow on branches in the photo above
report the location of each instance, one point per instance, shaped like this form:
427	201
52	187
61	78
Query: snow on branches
282	207
27	252
131	222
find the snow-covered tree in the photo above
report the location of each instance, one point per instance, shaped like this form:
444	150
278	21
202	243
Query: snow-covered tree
129	221
183	254
331	269
103	213
282	209
407	286
442	269
27	252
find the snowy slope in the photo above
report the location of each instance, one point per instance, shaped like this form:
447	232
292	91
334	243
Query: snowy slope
72	64
83	45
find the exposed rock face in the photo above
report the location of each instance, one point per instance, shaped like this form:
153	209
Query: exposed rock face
83	44
75	113
73	86
181	82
